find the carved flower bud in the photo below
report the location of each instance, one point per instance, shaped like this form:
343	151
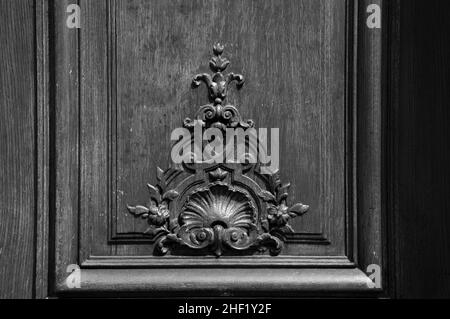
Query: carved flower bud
278	216
218	49
160	215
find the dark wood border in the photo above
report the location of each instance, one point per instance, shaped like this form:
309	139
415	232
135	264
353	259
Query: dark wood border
391	102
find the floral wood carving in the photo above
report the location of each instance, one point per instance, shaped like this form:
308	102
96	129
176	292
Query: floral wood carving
226	208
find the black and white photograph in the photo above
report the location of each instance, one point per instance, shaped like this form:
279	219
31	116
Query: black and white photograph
224	155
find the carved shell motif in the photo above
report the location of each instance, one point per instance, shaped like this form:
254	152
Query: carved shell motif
220	216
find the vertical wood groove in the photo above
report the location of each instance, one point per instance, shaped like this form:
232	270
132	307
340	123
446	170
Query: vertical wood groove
42	150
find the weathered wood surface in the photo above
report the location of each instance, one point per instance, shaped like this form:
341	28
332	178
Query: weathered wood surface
292	54
17	149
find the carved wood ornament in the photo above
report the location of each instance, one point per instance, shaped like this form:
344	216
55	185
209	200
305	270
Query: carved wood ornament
221	209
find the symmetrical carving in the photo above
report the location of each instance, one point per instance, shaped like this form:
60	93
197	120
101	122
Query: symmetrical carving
216	114
217	84
230	208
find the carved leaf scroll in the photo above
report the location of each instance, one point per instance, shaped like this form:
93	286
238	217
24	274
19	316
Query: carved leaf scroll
218	208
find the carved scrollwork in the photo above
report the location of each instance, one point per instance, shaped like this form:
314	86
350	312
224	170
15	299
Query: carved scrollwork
216	114
218	208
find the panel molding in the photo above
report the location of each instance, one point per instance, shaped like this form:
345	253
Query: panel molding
113	236
224	282
210	261
298	238
128	275
311	238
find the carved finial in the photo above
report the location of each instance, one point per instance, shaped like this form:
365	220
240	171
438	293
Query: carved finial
217	84
217	63
218	48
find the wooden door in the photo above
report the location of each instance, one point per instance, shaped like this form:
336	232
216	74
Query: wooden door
123	84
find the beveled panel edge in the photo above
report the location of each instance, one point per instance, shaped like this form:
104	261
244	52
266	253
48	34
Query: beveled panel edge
54	286
231	262
296	238
220	282
310	238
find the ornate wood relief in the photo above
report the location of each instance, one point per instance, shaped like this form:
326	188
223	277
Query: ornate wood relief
226	208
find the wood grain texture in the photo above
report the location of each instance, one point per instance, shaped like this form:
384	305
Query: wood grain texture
124	95
17	149
419	137
64	192
391	77
369	139
94	130
222	282
292	54
42	148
